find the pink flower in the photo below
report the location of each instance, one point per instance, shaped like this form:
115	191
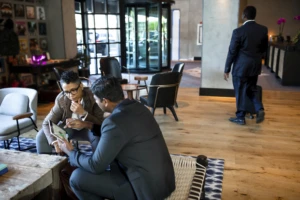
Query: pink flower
297	17
281	20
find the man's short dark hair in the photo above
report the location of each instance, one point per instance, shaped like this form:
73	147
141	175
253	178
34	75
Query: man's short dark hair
69	77
250	12
108	87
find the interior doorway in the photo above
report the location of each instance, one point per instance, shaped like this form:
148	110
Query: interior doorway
175	34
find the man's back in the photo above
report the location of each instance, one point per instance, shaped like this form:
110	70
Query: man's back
143	153
248	44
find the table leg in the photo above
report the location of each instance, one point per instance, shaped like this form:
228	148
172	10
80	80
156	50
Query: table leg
130	94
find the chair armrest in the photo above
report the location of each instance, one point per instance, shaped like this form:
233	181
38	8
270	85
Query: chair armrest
22	116
164	86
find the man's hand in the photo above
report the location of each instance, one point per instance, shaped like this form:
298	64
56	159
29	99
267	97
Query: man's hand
65	146
77	108
74	123
226	76
56	147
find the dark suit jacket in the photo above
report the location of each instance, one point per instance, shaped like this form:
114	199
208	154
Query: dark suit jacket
248	44
132	137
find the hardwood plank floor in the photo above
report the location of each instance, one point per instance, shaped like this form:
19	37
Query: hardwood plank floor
262	161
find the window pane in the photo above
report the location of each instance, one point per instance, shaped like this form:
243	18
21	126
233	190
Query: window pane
91	21
114	50
77	7
101	21
80	49
92	36
93	66
101	36
79	36
113	6
100	6
101	49
114	35
89	6
78	21
92	48
113	21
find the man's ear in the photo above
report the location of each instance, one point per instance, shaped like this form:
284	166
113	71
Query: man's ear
105	101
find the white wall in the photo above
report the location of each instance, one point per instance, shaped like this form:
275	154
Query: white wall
220	17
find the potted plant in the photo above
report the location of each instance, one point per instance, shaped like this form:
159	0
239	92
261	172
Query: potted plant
280	22
296	39
84	67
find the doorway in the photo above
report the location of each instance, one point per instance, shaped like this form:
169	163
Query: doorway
147	37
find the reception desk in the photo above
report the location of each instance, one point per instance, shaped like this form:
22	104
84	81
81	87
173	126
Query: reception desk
284	61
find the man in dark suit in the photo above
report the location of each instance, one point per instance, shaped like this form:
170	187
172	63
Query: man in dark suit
247	47
131	143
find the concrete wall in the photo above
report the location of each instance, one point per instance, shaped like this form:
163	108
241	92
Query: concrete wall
269	11
61	28
220	17
190	16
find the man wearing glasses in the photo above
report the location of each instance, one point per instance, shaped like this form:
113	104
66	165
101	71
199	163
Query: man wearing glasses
74	102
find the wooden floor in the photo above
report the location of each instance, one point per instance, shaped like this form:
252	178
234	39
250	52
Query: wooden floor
262	161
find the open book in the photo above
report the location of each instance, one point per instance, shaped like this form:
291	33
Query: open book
58	132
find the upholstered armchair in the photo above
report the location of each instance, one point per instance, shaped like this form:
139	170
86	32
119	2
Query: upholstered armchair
18	113
178	67
111	66
162	92
59	70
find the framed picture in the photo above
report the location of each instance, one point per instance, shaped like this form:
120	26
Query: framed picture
30	12
40	13
2	65
33	44
32	28
43	44
26	78
6	9
42	29
20	28
23	45
19	10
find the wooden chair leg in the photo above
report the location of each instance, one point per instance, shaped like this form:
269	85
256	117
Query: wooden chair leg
173	112
165	110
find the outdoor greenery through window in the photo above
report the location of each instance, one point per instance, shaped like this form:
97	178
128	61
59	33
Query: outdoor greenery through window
98	30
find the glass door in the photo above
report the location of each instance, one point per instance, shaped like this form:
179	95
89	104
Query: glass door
147	37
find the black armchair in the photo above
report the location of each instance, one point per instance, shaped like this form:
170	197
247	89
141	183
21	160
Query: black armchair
178	67
111	66
59	70
162	92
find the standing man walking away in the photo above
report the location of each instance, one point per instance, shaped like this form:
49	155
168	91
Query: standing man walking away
248	44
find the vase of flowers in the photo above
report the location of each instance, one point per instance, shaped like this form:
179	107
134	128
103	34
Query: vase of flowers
296	39
280	22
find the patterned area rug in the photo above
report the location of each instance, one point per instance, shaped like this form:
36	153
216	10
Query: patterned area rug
214	172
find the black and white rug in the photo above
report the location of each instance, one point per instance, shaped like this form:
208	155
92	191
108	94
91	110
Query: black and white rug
214	171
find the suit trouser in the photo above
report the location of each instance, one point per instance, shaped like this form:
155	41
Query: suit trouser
112	184
43	147
245	87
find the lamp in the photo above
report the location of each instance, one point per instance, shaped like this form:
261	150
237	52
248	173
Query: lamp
39	58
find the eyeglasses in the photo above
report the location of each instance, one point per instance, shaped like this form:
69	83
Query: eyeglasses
72	91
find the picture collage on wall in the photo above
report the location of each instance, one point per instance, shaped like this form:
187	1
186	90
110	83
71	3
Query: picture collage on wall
29	19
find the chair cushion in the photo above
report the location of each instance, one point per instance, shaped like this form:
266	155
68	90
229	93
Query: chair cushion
9	126
14	104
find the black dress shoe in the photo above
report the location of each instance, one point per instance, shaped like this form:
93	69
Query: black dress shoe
260	116
236	120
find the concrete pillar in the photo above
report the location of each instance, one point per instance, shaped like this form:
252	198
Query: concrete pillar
61	28
220	17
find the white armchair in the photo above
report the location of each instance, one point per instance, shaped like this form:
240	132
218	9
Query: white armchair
18	113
